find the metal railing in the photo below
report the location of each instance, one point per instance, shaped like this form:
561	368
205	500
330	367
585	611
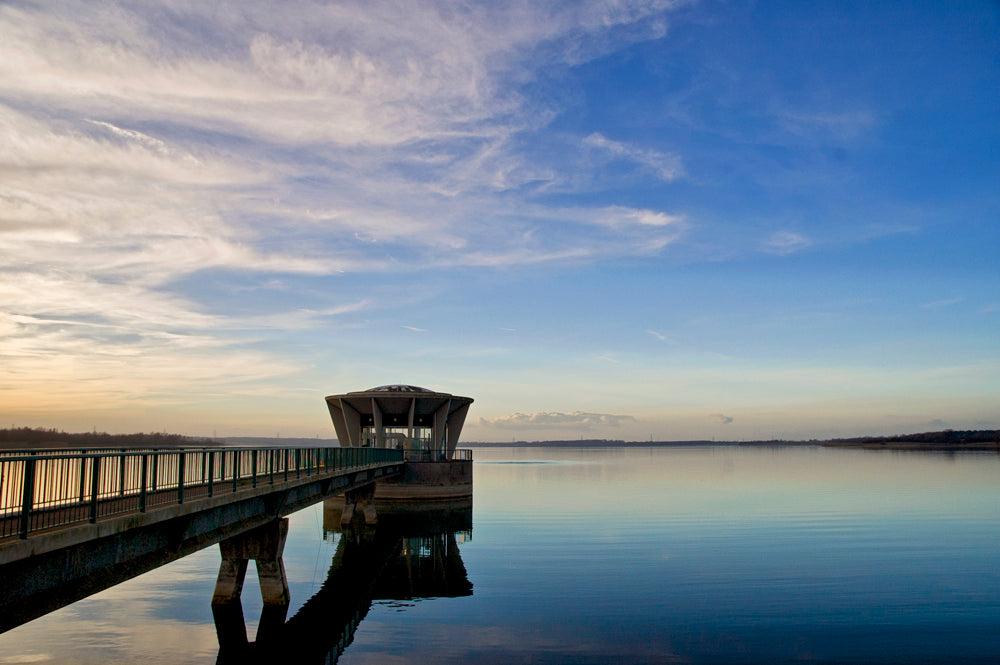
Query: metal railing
463	454
48	490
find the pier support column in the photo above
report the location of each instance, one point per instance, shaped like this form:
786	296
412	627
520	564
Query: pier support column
360	500
265	546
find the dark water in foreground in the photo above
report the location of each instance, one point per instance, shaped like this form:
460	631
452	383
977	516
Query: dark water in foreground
707	555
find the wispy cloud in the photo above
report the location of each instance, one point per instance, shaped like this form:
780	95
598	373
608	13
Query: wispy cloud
660	336
938	304
785	242
666	166
274	140
842	124
722	419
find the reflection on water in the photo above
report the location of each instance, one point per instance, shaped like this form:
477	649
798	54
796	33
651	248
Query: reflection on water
700	555
411	554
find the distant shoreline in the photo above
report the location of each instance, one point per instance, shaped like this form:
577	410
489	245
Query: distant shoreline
945	441
48	439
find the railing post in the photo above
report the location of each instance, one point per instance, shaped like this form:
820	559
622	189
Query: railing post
180	477
142	482
95	486
236	468
253	468
284	455
83	475
211	470
121	474
156	470
27	495
298	463
270	459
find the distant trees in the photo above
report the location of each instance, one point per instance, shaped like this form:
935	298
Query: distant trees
948	436
31	437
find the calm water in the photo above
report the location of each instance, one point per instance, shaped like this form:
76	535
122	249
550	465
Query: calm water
707	555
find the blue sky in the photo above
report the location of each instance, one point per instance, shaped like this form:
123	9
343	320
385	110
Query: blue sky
599	219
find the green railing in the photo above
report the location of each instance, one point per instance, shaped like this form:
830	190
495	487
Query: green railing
51	489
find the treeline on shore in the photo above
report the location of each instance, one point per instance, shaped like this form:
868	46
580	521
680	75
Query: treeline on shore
35	437
582	443
942	440
981	439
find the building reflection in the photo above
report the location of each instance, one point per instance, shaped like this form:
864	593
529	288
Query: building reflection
412	553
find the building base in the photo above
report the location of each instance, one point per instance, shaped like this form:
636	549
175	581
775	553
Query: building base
427	481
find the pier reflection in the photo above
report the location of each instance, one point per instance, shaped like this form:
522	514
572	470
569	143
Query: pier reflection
411	554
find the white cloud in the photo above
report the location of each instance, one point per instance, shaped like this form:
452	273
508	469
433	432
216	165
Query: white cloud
722	419
556	419
352	73
622	216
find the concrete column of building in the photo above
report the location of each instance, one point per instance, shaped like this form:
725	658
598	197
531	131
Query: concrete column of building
360	500
379	430
265	546
455	423
440	427
409	423
352	424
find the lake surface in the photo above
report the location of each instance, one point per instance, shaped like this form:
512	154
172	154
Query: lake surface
640	555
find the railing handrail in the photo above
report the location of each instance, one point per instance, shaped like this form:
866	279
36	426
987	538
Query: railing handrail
115	452
7	453
44	491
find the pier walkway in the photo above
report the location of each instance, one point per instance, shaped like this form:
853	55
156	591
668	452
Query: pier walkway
75	522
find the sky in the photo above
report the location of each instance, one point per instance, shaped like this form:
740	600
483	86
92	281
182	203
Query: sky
600	219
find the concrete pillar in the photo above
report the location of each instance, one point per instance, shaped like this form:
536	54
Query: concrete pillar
438	442
409	423
229	584
352	425
360	500
265	546
455	423
379	429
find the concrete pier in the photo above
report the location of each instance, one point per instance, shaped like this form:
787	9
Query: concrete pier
264	545
361	503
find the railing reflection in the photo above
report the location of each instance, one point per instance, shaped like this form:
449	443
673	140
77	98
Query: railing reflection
411	554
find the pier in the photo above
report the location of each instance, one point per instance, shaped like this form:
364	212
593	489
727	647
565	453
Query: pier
73	523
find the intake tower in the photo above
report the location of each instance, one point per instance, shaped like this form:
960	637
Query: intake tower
425	425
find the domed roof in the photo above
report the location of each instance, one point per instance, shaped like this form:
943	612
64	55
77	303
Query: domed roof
398	388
